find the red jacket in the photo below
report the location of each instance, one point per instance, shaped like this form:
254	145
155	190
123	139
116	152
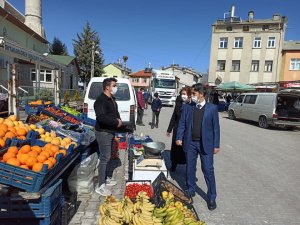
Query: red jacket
140	100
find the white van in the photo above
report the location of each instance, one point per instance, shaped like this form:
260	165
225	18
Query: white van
275	109
125	98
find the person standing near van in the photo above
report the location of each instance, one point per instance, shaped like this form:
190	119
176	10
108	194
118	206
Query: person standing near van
141	107
146	95
156	107
199	133
108	120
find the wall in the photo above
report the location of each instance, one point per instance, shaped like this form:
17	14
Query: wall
111	71
141	82
287	74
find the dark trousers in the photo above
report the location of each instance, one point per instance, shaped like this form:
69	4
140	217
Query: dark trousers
155	115
140	114
207	166
105	142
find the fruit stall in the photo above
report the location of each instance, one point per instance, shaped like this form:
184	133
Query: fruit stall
35	157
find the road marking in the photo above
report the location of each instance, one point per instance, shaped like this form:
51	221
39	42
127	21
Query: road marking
229	146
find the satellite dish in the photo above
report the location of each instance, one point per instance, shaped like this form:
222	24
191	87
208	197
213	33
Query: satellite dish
219	79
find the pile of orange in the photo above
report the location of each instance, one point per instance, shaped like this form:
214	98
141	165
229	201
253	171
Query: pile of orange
33	157
12	127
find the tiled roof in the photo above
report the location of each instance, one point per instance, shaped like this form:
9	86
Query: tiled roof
141	73
291	45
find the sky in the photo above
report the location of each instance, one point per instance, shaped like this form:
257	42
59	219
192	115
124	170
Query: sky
158	31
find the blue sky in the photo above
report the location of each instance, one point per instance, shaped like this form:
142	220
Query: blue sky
156	31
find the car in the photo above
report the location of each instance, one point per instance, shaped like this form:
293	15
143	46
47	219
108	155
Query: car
125	98
268	109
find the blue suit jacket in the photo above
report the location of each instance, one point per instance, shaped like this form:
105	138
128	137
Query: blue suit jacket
210	127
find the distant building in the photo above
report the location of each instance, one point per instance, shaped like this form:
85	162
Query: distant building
290	68
141	78
116	70
248	51
185	76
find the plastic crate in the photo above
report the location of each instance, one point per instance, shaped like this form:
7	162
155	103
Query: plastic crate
54	219
28	180
42	207
61	118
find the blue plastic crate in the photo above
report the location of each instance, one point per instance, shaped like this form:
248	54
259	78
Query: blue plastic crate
133	141
61	118
31	181
54	219
43	207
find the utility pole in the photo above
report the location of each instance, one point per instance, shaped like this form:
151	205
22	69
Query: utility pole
13	84
93	60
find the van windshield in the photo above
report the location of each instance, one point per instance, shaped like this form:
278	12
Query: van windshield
121	95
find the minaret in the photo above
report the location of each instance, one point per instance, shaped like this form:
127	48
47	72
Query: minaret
33	16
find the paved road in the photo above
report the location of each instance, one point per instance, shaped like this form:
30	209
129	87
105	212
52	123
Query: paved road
257	173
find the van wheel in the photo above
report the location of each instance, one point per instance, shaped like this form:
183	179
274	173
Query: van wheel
262	122
231	115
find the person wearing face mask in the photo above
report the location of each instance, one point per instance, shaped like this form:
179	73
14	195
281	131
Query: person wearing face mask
177	154
199	134
108	121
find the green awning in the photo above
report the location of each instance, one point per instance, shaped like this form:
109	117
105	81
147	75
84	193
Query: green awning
235	86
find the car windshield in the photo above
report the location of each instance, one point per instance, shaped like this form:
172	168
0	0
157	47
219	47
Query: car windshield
164	83
121	95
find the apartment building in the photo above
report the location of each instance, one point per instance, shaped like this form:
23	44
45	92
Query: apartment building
290	68
248	51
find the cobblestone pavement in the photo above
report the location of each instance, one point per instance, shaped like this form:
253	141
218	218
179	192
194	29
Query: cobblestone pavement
257	175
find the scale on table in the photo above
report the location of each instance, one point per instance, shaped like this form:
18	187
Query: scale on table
152	155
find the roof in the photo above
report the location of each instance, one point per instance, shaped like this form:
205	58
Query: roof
141	73
291	45
9	17
63	59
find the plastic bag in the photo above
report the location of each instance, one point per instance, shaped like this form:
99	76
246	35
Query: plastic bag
81	178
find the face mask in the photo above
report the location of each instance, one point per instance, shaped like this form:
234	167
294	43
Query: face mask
184	97
114	90
143	92
195	99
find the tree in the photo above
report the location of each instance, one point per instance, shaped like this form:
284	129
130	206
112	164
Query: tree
83	51
58	48
125	58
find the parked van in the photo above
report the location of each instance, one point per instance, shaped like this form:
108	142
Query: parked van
275	109
125	98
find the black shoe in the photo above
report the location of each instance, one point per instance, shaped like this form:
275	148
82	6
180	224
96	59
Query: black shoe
211	205
189	193
141	124
156	126
152	127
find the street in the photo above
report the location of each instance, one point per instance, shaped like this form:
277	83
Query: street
257	173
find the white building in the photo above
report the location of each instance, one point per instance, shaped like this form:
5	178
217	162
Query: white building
248	51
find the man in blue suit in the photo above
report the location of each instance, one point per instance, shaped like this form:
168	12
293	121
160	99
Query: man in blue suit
199	133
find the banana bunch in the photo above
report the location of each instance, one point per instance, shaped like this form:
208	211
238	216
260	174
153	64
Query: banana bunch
126	208
110	212
143	211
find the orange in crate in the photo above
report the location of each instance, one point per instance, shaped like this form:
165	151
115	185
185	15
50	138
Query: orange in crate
25	149
13	149
8	155
13	162
37	167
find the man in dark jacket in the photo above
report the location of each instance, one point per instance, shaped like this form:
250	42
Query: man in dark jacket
107	122
141	107
156	107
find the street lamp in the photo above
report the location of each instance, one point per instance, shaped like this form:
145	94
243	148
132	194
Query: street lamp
93	59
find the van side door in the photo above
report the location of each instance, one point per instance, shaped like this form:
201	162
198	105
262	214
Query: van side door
238	106
250	109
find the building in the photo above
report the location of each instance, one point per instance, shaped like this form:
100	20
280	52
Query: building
185	76
290	68
116	70
141	78
248	51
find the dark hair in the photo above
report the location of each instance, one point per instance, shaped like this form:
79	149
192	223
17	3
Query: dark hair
107	82
199	88
187	90
156	95
142	89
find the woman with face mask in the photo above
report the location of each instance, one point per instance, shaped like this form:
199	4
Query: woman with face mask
177	154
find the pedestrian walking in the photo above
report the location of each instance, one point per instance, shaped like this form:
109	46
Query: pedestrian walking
199	133
141	107
177	154
107	122
156	107
146	95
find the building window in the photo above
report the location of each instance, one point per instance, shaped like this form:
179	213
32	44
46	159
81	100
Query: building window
221	65
295	64
255	66
229	28
135	80
145	80
257	42
265	27
268	66
235	65
223	42
45	75
238	42
271	42
245	28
